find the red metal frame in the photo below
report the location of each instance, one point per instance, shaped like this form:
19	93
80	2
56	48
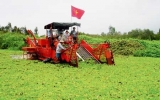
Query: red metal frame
42	50
98	51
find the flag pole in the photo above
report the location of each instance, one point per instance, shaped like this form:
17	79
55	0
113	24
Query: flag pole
71	17
71	13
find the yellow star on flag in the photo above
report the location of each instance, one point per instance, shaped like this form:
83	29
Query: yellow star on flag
76	12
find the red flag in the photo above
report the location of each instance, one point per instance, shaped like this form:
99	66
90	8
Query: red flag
76	12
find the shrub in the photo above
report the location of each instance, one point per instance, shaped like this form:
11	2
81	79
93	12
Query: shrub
152	49
126	47
12	41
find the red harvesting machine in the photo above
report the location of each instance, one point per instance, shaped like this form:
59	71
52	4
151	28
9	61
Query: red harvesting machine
42	50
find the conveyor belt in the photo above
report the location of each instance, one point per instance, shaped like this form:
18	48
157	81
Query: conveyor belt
85	54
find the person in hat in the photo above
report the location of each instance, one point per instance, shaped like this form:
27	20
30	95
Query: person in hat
60	37
66	36
74	34
59	49
50	36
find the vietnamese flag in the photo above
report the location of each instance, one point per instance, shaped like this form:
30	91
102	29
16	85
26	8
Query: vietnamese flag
76	12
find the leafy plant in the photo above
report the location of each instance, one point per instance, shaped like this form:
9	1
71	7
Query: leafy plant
126	47
131	78
152	49
12	41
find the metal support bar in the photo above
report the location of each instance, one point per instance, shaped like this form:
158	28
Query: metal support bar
79	56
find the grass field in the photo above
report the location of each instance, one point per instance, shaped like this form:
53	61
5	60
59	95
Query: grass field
132	78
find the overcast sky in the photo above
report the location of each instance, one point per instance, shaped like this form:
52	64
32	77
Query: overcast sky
124	15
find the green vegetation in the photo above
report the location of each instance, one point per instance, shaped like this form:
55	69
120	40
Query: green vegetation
139	48
152	49
131	78
15	29
135	47
12	41
126	47
144	34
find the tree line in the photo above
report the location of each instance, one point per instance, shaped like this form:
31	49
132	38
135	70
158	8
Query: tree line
15	29
144	34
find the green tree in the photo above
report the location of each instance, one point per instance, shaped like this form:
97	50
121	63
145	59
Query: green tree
19	30
157	36
124	35
2	28
147	34
112	30
103	34
9	27
23	30
136	33
15	29
36	31
6	28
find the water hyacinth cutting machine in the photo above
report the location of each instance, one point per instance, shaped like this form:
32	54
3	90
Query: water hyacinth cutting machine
42	50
